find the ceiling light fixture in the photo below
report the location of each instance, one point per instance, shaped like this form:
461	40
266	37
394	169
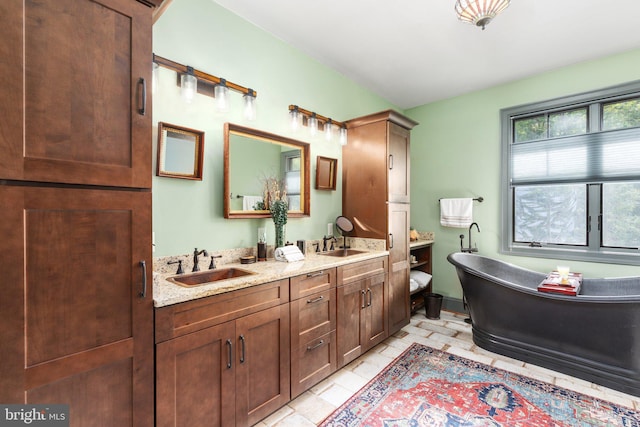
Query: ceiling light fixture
479	12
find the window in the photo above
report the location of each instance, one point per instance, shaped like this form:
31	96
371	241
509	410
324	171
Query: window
571	177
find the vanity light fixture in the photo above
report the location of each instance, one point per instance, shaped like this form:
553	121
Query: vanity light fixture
328	130
479	12
250	105
188	85
315	122
209	85
343	135
221	94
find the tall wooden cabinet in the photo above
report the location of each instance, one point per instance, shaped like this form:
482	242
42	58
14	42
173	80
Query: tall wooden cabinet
376	196
75	178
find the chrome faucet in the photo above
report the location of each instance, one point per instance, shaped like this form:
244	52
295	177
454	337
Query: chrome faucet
204	252
470	248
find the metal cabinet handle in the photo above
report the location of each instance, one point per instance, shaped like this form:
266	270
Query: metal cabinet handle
315	274
143	108
243	349
390	161
230	355
143	292
390	240
370	297
311	301
363	292
313	347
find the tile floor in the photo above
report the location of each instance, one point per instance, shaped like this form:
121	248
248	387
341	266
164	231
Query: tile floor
450	333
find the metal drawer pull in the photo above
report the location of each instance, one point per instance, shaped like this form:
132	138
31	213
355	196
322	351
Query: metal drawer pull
242	353
230	359
143	292
316	274
142	110
309	348
311	301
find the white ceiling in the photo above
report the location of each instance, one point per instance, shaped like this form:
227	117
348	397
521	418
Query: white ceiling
412	52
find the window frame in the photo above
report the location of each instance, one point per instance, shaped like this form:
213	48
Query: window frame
593	252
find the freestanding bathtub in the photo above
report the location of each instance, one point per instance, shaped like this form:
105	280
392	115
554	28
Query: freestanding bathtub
594	335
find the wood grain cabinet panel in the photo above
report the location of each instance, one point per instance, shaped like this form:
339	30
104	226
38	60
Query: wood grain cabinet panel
362	309
313	326
77	106
376	195
234	371
80	315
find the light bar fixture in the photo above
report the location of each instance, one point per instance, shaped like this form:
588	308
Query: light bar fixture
315	122
192	81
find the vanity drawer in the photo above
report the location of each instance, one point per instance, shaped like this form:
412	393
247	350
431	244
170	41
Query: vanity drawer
183	318
313	316
359	270
307	284
312	361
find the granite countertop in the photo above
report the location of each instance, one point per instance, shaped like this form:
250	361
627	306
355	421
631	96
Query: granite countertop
167	293
420	242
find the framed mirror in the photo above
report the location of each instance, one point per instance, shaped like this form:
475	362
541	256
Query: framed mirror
326	172
253	157
180	152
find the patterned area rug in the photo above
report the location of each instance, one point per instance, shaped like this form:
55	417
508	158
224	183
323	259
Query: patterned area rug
428	387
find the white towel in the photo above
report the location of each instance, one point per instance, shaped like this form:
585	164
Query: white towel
248	202
420	277
288	253
456	212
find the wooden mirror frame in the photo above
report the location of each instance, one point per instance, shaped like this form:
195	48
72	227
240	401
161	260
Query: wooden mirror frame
196	159
326	173
231	129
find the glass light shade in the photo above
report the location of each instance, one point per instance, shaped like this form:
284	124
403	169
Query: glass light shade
328	130
295	119
221	94
313	125
188	87
155	77
249	106
479	12
343	136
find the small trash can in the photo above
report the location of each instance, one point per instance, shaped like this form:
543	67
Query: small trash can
433	304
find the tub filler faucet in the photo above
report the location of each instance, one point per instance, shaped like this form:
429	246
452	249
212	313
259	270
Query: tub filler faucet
470	248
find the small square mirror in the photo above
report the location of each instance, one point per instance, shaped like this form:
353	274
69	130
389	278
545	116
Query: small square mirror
180	152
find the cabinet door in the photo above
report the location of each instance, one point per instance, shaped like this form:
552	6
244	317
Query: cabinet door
398	163
399	266
73	108
77	327
376	321
350	301
198	367
263	364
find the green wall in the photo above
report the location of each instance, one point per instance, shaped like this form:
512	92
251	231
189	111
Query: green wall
199	33
455	152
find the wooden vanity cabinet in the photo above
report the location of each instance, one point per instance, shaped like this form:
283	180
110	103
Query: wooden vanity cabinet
75	185
313	328
230	353
362	305
376	195
76	106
